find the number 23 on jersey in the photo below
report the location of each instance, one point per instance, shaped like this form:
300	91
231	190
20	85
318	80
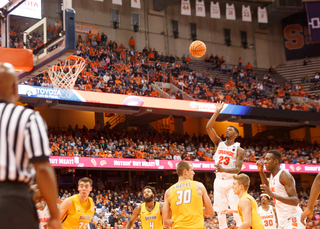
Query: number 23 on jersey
224	160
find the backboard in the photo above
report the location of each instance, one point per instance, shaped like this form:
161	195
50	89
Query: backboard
47	27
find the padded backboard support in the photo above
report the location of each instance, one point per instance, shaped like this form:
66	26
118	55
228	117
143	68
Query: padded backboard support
21	59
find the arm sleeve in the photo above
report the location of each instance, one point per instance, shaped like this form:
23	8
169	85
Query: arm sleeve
36	142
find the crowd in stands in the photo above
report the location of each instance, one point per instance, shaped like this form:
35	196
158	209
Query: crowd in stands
106	143
114	68
115	205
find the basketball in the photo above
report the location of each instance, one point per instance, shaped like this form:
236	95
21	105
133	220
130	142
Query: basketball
197	48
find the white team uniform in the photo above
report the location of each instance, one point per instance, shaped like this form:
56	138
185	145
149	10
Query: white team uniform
224	196
288	215
44	217
268	218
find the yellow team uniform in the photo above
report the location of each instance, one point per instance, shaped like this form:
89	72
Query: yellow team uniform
186	206
79	214
256	222
153	219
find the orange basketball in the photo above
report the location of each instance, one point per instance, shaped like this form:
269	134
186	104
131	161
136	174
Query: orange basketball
197	48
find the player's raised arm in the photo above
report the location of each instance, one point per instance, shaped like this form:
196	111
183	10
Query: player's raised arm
166	211
315	191
263	176
135	214
211	132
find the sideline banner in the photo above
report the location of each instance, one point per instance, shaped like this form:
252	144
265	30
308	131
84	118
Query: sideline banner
80	28
121	163
297	42
313	10
125	100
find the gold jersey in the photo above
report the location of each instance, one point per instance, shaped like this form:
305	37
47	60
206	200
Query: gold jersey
256	222
186	206
153	219
79	214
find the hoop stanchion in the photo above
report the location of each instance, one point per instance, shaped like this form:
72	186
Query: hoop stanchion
64	75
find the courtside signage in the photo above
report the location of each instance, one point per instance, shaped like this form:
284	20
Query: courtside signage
126	100
120	163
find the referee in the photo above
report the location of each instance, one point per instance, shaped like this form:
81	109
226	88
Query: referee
23	142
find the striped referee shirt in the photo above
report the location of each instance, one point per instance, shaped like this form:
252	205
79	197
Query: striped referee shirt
23	140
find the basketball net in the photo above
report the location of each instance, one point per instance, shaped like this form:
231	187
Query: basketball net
64	75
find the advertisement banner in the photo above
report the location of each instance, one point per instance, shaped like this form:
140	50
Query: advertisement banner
49	93
125	100
297	42
30	9
121	163
313	10
80	28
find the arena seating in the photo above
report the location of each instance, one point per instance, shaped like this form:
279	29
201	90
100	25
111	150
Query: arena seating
296	71
153	145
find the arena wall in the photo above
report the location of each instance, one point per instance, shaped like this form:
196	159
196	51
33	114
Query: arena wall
269	42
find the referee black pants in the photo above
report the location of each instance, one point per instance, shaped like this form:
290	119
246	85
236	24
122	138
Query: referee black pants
17	210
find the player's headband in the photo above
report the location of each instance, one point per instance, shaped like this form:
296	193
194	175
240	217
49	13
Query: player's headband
264	194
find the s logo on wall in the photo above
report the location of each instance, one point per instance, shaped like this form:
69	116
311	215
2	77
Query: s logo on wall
297	42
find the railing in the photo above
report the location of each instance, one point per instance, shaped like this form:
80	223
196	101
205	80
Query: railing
174	89
116	119
162	125
158	86
257	128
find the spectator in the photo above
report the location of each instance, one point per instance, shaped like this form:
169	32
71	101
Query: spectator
239	63
90	37
132	43
104	39
249	67
317	76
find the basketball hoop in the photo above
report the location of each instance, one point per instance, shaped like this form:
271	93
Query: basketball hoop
64	75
